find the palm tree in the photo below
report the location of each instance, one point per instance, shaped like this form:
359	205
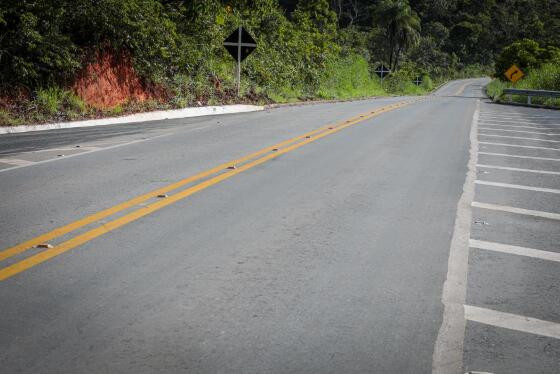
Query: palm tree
402	27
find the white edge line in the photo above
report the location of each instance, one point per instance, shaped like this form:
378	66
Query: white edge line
517	186
512	321
448	349
84	153
138	117
518	169
515	250
519	156
515	210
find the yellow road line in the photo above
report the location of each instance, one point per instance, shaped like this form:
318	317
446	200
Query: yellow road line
22	247
78	240
461	89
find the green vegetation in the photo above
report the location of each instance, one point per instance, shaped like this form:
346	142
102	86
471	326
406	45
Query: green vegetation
307	49
541	66
546	77
347	78
527	54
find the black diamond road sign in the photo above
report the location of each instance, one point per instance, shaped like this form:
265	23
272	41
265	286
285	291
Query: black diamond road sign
382	71
240	44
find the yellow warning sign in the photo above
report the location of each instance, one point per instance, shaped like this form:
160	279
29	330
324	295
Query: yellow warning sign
514	73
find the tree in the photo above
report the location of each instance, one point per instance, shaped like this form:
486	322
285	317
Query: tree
527	54
401	25
316	14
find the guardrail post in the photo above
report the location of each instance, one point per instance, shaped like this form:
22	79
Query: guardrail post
529	99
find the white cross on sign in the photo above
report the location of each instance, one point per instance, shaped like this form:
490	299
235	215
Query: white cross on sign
240	44
382	71
417	81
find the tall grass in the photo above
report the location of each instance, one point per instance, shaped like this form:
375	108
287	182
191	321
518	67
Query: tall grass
54	100
347	78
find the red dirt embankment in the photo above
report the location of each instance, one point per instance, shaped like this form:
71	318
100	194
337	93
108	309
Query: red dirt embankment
110	80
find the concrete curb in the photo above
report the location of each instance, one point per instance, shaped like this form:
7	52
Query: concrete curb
138	117
178	113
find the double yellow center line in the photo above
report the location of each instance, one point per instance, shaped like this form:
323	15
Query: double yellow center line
206	179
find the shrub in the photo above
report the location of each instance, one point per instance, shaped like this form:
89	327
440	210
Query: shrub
400	82
526	54
348	77
7	119
50	100
547	77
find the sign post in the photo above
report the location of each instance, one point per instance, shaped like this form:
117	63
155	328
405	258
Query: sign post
240	44
382	71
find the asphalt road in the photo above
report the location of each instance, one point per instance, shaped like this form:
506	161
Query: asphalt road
328	254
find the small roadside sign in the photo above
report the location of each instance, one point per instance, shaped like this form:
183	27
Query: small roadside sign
240	44
417	81
514	73
382	71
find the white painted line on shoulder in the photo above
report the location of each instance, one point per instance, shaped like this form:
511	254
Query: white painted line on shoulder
517	114
518	137
517	186
515	210
92	150
518	156
549	130
535	121
490	128
520	146
512	321
518	169
540	126
509	116
494	121
515	250
15	161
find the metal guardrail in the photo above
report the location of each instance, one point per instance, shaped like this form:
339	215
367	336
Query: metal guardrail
530	93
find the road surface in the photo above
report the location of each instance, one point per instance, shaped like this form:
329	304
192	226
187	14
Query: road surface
394	235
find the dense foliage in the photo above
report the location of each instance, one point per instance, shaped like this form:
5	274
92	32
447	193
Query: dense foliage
527	54
306	48
545	77
541	67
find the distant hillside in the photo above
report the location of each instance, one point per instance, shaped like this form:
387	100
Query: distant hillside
306	49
